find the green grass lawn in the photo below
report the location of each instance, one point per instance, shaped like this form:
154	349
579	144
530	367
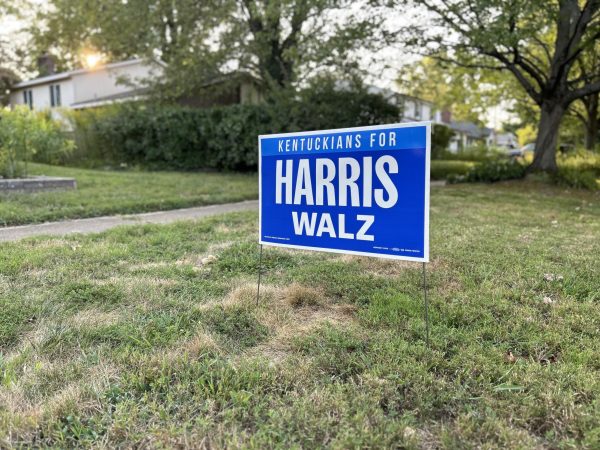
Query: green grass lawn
108	192
136	338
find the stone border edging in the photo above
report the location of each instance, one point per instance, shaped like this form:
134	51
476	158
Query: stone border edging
36	184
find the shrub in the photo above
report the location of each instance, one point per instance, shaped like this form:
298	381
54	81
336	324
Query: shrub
89	150
577	178
441	170
27	136
440	140
476	153
492	171
152	137
323	106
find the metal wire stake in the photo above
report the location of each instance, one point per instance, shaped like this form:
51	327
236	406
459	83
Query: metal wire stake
426	307
259	274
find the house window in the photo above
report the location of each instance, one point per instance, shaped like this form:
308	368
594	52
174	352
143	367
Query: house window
55	95
28	98
417	111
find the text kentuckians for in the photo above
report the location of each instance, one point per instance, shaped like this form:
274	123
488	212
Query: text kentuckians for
342	141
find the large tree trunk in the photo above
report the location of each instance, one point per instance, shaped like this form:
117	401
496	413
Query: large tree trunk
547	138
592	122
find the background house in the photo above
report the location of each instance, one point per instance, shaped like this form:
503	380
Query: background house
467	134
85	88
122	81
416	109
412	109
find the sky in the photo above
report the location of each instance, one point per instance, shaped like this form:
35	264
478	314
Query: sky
382	73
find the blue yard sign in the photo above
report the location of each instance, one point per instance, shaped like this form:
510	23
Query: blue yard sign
362	191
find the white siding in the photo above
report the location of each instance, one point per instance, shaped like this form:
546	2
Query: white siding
426	112
87	85
104	82
40	95
409	109
249	94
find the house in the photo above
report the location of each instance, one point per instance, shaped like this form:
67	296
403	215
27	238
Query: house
412	109
467	134
86	88
123	81
416	109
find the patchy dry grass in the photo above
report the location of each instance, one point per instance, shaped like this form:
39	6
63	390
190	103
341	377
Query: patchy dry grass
151	336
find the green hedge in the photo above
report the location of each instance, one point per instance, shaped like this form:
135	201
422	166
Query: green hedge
175	137
492	171
442	169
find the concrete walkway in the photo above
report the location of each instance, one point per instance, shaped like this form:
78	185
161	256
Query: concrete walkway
98	224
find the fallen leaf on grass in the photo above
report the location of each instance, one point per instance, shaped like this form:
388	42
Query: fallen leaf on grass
547	301
552	277
509	357
549	360
208	260
409	433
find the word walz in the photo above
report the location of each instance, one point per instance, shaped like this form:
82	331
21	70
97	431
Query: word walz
346	181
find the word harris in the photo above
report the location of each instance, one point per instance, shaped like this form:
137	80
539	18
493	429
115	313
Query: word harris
340	181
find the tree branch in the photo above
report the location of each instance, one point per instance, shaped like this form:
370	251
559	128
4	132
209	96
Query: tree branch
535	95
584	91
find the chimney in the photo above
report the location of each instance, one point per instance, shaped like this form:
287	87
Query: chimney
446	116
46	65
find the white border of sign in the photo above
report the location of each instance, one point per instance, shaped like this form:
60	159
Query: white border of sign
425	257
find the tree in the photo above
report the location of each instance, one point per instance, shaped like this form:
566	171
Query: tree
587	109
467	93
7	79
512	36
162	29
279	41
283	39
591	104
10	56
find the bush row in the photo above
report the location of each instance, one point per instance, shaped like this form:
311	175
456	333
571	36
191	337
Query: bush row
175	137
580	170
442	169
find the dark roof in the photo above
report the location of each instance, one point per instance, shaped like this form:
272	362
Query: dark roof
236	75
470	129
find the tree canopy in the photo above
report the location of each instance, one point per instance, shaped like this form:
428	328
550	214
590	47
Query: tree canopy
467	93
281	42
537	41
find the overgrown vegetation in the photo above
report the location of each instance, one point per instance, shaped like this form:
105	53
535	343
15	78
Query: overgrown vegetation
26	135
104	192
579	170
135	338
